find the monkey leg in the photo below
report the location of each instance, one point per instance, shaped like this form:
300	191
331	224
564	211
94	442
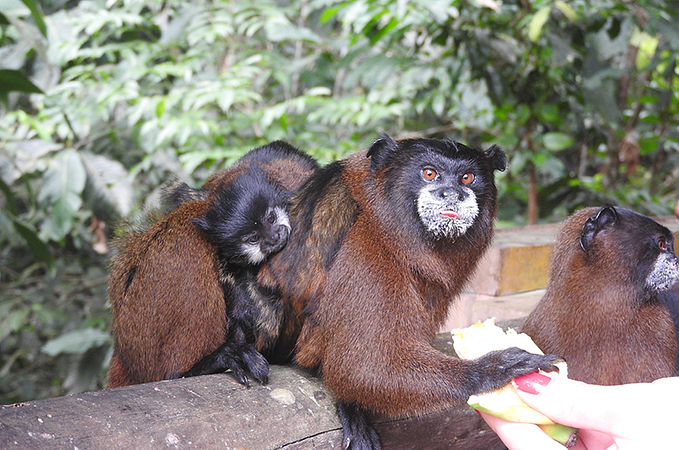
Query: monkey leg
239	357
359	434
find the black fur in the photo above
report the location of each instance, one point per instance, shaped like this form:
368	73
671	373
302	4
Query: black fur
246	212
358	433
242	211
644	240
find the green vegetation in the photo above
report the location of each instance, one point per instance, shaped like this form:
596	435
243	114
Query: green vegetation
102	101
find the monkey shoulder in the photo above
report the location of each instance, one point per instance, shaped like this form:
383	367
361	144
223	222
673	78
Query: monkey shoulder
321	214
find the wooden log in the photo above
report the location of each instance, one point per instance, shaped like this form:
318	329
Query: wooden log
294	411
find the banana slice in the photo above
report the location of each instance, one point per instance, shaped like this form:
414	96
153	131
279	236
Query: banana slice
483	337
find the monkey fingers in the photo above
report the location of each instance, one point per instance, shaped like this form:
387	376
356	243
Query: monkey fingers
237	357
255	363
498	368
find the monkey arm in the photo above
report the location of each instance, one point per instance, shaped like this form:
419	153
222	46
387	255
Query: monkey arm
378	352
418	378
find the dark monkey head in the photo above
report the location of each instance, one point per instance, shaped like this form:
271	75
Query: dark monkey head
448	185
248	218
636	241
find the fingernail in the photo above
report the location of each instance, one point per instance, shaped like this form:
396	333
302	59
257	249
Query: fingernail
532	383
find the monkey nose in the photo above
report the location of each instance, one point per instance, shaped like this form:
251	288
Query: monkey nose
448	192
283	232
277	239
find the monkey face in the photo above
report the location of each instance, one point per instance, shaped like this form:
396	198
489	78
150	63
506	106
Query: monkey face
446	202
664	267
641	244
263	234
247	219
449	185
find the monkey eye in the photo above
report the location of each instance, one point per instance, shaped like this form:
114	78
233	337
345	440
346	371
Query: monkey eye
253	239
271	218
662	244
467	178
429	174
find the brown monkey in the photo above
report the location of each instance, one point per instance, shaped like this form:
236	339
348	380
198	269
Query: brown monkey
180	291
382	243
670	299
600	311
165	317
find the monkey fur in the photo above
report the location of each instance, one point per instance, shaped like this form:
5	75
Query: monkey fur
179	290
382	243
601	311
670	299
255	314
285	166
166	317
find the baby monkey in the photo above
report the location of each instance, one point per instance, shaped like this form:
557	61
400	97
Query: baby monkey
247	221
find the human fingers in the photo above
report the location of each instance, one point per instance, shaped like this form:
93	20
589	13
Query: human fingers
522	436
577	404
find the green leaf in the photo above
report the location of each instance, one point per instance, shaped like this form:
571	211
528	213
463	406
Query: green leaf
176	29
78	341
548	112
13	322
557	141
40	249
523	113
61	190
380	33
329	13
283	31
13	80
37	16
9	197
537	22
566	10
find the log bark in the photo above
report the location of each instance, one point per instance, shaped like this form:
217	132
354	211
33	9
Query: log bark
294	411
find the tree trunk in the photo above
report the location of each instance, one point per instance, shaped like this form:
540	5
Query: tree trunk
294	411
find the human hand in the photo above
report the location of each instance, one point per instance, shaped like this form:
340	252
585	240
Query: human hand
626	417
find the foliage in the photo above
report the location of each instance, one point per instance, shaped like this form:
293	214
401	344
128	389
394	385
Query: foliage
104	100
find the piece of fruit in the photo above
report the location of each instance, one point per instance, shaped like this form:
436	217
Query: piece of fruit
483	337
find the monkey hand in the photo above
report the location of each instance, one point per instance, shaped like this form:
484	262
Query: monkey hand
499	367
238	357
497	357
504	351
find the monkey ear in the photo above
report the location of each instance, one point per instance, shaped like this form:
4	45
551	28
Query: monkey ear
379	151
605	217
497	158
